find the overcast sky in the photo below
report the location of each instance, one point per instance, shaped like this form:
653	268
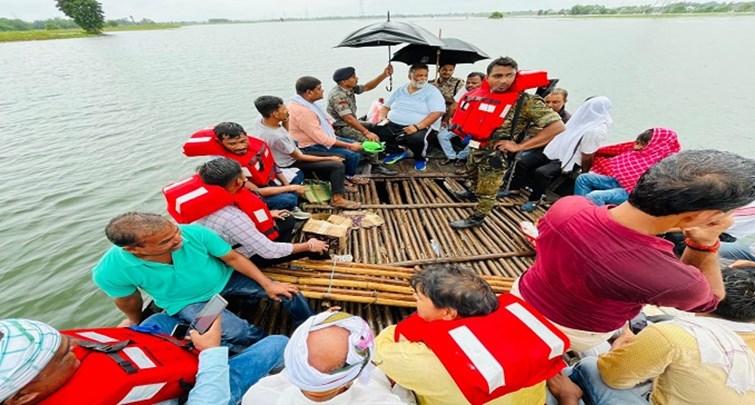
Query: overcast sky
199	10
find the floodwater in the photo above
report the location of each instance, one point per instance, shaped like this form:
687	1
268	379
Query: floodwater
93	127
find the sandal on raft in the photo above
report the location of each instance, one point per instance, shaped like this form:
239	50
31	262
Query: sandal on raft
351	189
358	180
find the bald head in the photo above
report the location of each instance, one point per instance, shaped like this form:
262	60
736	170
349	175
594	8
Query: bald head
328	348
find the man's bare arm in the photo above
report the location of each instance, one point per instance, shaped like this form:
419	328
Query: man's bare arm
131	305
382	76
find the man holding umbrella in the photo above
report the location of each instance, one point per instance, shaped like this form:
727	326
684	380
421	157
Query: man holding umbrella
342	106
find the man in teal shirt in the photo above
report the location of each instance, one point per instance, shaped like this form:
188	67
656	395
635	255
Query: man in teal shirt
181	268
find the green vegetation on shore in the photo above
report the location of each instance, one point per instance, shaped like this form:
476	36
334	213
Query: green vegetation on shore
34	35
673	9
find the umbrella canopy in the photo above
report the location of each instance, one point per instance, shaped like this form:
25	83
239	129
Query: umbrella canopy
389	33
453	51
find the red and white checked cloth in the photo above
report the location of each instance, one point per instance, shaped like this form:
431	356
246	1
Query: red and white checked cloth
627	165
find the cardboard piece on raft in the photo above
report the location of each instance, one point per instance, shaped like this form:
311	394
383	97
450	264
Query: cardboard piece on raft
364	219
341	220
333	234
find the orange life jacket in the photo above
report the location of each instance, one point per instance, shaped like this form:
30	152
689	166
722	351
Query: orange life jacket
190	199
490	356
258	162
480	112
140	369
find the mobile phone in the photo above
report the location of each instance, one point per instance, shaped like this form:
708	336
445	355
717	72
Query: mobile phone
209	314
180	331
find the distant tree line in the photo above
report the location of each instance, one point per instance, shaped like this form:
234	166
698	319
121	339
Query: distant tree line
674	8
7	24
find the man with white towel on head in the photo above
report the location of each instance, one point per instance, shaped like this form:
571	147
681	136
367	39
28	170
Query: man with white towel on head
328	361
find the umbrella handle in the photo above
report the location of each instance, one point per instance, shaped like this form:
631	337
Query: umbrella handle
389	87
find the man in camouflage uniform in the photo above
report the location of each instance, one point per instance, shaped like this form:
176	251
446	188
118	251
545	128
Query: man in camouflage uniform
342	106
490	160
448	86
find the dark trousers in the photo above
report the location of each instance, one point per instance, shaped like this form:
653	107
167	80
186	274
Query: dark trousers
538	169
262	263
393	136
333	171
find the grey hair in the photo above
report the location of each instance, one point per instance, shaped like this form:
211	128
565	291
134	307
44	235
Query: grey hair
695	180
219	172
457	287
562	92
739	302
130	228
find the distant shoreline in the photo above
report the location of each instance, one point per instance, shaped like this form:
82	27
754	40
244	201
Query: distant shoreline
42	35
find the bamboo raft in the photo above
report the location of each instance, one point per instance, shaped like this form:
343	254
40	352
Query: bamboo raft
416	208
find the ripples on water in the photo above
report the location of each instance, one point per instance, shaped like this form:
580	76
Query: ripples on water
93	127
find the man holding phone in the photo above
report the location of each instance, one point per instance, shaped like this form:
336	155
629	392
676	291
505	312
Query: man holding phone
181	268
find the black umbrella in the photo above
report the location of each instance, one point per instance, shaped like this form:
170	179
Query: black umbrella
388	33
453	51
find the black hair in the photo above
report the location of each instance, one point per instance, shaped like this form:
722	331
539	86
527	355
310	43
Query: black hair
228	130
267	105
695	180
457	287
478	74
739	302
306	83
219	172
417	66
563	93
130	228
646	136
503	61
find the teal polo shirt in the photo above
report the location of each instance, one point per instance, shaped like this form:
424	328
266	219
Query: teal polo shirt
195	275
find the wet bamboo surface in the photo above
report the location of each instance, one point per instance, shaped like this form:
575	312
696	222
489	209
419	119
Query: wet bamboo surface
416	208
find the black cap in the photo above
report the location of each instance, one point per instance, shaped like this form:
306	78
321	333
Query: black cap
343	73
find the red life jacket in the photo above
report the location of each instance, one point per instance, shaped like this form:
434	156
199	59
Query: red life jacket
480	112
258	162
490	356
190	199
148	369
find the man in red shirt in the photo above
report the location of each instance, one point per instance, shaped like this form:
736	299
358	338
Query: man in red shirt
597	266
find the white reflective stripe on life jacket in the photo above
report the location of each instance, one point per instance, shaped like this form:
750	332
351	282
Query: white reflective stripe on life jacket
177	183
505	111
261	215
490	369
246	171
199	140
141	393
546	335
189	196
486	107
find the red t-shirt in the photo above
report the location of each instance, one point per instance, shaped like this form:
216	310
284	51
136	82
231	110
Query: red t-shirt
593	274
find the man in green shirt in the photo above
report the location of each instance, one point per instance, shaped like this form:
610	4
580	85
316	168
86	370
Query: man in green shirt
181	268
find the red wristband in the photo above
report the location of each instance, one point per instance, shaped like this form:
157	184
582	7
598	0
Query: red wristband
694	246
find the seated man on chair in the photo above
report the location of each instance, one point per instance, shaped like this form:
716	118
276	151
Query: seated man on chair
409	114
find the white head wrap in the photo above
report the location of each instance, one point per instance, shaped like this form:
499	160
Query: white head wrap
721	347
592	115
358	359
25	349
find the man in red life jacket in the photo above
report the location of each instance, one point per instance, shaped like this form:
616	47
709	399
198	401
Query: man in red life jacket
233	138
37	362
181	268
236	227
486	157
465	345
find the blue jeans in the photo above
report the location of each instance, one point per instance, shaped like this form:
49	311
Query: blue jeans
601	190
282	201
247	367
586	375
351	158
735	251
238	333
444	139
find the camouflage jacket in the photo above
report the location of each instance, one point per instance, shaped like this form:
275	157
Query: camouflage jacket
449	88
342	102
534	112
